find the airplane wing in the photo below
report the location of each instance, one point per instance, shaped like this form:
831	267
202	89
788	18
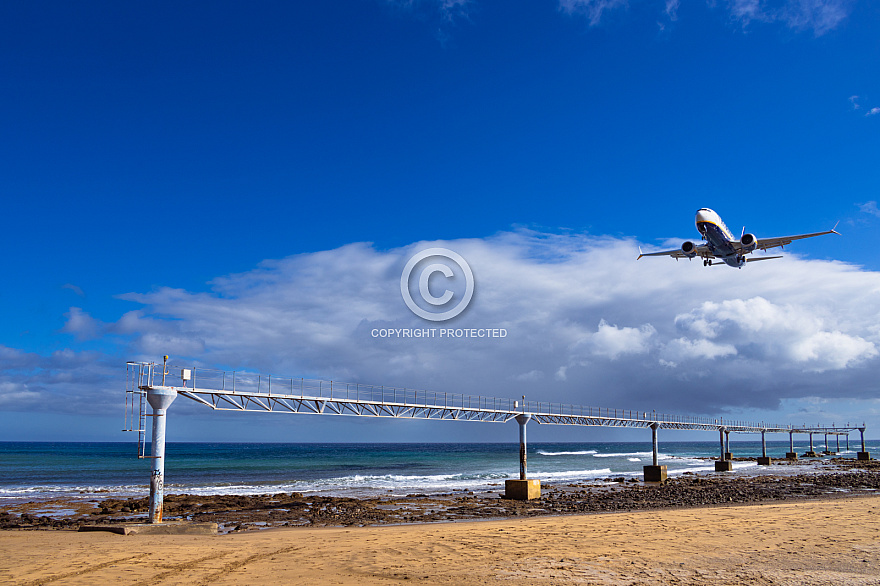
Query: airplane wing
702	251
765	243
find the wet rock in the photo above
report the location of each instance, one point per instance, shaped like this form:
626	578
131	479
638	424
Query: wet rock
247	512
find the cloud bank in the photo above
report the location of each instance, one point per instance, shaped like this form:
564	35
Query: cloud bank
586	324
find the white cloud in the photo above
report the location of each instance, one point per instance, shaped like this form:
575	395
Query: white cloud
454	7
14	393
854	100
753	316
64	381
818	16
682	349
74	288
82	325
611	341
798	336
748	10
832	351
593	10
870	208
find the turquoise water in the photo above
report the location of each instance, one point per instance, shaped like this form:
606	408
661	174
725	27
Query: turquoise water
44	469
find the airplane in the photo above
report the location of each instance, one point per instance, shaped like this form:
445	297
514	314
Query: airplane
721	244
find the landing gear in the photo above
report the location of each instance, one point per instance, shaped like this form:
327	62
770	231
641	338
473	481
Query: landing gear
707	262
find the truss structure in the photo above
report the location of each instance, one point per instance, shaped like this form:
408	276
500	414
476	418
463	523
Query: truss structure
249	392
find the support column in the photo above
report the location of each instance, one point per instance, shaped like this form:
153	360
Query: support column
811	453
837	441
763	460
863	455
522	489
728	455
522	420
827	451
723	464
791	455
654	454
655	473
159	398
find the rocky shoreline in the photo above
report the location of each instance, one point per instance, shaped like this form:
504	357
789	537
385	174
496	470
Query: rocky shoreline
833	477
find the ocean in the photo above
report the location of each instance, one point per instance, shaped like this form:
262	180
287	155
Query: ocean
42	470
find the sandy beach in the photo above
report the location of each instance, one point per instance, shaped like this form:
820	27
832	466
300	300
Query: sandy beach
834	541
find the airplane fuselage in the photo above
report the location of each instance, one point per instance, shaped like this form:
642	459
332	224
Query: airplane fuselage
718	237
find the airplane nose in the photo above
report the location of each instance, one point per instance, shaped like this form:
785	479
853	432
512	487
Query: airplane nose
704	215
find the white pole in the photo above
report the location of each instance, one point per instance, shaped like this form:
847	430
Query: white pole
159	398
522	419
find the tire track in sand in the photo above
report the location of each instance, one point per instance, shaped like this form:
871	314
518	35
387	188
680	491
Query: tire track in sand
175	569
233	566
95	568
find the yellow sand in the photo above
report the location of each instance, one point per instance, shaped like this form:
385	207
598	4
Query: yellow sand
825	542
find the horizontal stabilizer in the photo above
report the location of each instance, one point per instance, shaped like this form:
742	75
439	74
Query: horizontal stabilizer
761	258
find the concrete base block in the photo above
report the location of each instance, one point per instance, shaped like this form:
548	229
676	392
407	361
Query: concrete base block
764	460
723	465
655	473
829	453
728	455
863	455
155	528
522	490
811	455
791	455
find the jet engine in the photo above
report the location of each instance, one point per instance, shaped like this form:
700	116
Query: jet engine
689	249
749	242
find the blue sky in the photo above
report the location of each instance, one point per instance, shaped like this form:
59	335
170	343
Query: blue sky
218	181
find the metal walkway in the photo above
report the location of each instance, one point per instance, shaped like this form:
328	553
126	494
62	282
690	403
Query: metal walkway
238	391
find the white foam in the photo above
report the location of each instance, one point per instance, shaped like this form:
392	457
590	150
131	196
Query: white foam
361	484
634	455
571	474
581	453
703	468
53	489
366	484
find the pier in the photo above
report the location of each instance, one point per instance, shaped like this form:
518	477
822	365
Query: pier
158	385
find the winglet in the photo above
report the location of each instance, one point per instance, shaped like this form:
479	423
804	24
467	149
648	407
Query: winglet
641	255
834	229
